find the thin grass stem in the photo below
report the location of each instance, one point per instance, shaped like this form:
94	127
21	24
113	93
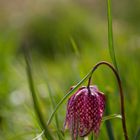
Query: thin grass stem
56	116
108	123
34	97
110	34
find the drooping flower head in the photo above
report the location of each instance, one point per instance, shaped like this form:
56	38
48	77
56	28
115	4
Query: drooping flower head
84	111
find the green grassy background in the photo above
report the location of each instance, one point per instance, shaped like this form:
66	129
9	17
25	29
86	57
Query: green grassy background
48	28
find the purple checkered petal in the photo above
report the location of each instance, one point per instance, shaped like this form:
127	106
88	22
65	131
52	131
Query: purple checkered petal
84	111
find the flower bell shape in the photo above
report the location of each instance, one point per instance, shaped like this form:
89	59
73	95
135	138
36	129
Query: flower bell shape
85	109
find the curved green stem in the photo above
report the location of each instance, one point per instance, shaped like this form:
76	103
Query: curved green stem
121	93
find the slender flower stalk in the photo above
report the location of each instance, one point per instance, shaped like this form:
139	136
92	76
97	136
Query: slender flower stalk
121	93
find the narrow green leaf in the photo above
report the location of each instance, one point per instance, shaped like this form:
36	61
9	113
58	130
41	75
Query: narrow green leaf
110	34
108	124
113	57
75	47
113	116
60	136
38	136
34	96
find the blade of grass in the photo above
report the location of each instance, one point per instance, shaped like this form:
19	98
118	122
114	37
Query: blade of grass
53	105
108	123
34	97
75	47
38	136
110	34
113	116
113	57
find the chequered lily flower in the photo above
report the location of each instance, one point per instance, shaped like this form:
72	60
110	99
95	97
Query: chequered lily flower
84	111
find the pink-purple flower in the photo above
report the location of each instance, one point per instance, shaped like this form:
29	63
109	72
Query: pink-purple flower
85	109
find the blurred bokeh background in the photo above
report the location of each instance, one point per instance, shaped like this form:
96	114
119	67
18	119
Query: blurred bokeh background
65	38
